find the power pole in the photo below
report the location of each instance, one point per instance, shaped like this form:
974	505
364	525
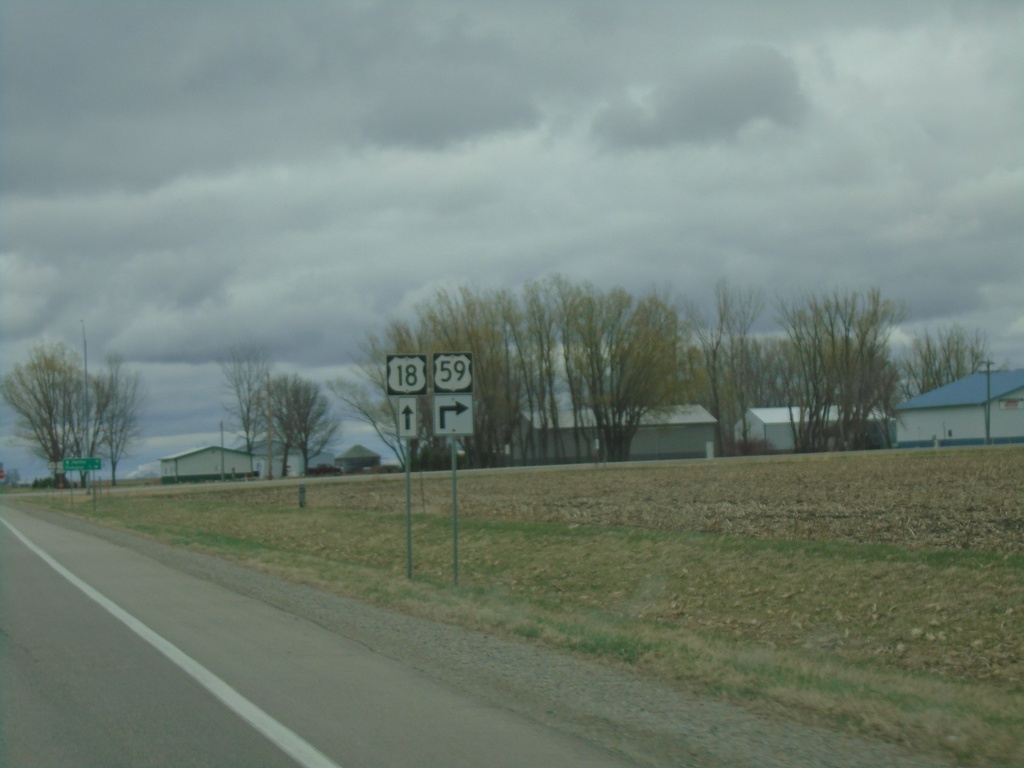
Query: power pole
988	401
270	434
85	364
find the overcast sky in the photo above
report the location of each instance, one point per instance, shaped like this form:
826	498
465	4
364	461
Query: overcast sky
178	177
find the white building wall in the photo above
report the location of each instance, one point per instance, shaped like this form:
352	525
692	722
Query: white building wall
295	465
776	436
277	464
962	424
671	441
206	462
1008	417
779	437
947	425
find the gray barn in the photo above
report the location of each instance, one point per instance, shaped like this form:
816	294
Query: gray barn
680	433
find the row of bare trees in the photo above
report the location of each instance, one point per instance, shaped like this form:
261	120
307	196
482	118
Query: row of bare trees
936	360
61	412
829	360
566	357
276	412
558	358
561	356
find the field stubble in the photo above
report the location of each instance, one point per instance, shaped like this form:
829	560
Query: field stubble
882	591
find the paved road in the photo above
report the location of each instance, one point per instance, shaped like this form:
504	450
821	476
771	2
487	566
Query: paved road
109	658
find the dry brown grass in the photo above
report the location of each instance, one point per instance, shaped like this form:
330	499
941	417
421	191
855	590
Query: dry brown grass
884	591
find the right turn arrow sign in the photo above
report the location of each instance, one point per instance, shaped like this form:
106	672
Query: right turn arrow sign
453	414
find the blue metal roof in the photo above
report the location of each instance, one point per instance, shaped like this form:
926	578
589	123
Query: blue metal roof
970	390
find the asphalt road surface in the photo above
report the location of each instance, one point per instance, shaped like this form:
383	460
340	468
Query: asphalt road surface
109	658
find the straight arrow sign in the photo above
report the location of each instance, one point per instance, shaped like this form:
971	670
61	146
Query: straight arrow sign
407	417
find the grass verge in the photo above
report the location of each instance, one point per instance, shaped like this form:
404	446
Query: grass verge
829	603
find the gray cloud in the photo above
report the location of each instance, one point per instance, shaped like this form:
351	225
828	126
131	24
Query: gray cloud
711	102
179	177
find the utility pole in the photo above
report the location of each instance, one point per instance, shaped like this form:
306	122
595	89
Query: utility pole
988	401
85	364
270	434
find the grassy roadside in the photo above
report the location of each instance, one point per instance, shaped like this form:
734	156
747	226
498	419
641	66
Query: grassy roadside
883	593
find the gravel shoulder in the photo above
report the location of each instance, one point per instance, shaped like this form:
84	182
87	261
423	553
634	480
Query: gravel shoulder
650	723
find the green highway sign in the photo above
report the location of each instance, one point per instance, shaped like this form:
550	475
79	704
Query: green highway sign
82	465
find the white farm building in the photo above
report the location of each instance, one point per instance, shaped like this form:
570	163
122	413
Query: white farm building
967	412
202	464
773	430
680	432
772	427
292	467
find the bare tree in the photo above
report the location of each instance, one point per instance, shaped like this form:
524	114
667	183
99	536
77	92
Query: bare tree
568	300
626	350
768	383
742	355
710	335
841	369
46	395
866	375
119	401
811	382
246	370
934	361
315	426
302	417
484	324
537	358
364	395
729	356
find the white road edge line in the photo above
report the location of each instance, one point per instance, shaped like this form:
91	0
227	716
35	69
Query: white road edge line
290	742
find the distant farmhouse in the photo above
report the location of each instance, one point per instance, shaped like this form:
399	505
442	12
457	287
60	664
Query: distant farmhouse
203	464
683	432
293	467
771	430
358	459
983	407
216	463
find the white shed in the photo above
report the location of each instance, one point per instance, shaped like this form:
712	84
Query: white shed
293	467
771	426
201	464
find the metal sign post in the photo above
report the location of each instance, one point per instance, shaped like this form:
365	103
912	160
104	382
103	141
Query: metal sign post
407	378
455	513
453	416
408	507
408	425
86	464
